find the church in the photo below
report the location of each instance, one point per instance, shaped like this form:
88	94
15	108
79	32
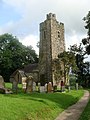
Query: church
51	44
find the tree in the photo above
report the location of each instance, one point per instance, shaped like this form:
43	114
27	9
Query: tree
87	21
14	55
86	41
69	63
83	73
62	66
79	54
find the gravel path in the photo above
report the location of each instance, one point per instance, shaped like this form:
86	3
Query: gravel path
73	112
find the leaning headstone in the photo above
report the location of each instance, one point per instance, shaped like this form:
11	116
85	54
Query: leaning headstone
34	86
49	87
29	85
3	90
2	84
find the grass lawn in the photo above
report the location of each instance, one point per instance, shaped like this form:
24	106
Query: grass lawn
36	106
86	113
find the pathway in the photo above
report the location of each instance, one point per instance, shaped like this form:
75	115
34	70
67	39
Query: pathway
73	112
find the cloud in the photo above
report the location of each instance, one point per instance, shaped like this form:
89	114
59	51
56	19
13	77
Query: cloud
74	39
30	40
33	12
1	2
70	12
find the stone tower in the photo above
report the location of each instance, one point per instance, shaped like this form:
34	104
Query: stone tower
51	44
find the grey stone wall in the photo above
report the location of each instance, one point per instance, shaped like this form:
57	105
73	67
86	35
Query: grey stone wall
51	44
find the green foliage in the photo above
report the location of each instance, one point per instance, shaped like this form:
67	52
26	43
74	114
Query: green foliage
68	58
66	61
69	62
86	113
87	21
72	80
14	55
83	72
86	41
79	55
35	106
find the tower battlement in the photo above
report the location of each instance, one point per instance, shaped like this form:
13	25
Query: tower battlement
51	16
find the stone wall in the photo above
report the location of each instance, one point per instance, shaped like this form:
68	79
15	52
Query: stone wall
51	44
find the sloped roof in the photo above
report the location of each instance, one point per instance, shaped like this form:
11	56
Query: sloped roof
27	69
30	68
20	71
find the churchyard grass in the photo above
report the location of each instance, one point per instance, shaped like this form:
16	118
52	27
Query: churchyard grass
86	113
36	106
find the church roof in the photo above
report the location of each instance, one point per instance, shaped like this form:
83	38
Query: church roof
27	69
30	68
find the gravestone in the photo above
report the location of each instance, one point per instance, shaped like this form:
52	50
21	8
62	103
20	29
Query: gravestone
34	86
46	87
24	83
62	86
2	84
50	87
42	89
29	85
14	86
2	87
39	87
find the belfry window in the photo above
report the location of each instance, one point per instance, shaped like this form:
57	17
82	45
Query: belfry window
58	34
44	35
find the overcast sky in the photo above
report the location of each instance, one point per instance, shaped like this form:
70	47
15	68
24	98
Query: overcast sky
22	18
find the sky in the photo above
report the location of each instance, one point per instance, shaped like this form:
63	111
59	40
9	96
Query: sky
22	18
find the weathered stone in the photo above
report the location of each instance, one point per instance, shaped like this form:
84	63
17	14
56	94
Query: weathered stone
39	87
42	89
24	83
8	91
2	84
2	90
5	91
46	87
29	85
51	44
34	86
14	86
62	86
50	88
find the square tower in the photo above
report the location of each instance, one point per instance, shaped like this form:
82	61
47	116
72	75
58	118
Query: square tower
51	44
